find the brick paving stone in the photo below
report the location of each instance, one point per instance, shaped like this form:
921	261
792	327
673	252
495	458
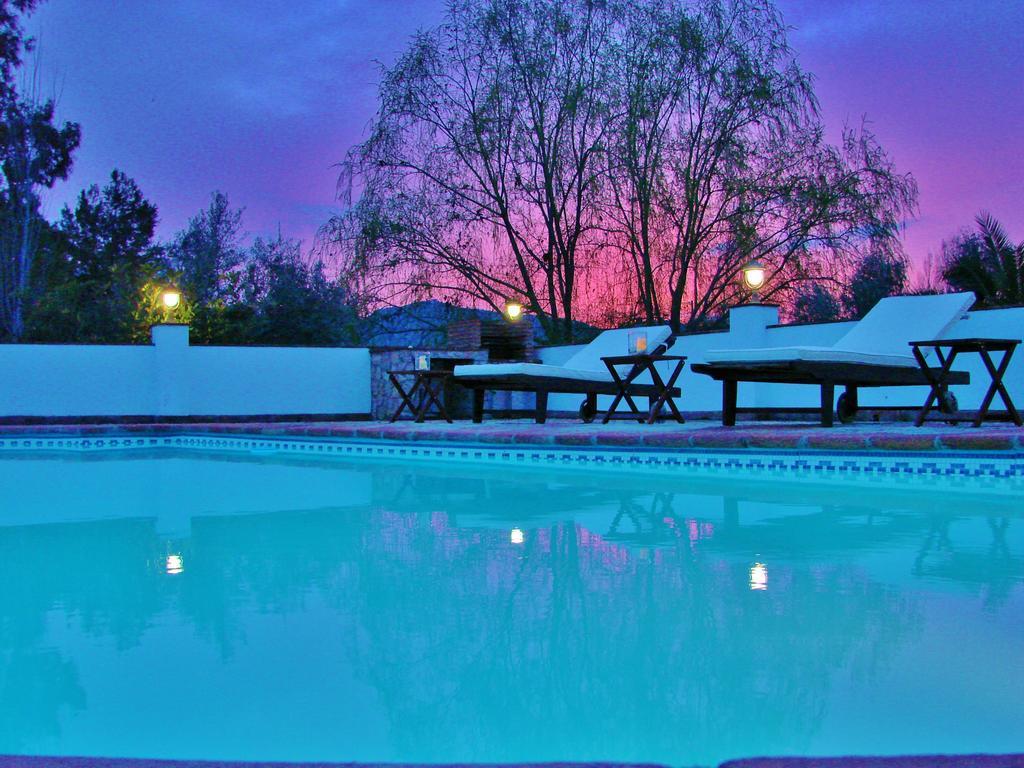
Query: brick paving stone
910	442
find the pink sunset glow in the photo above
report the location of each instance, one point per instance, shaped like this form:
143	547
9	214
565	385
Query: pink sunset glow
262	105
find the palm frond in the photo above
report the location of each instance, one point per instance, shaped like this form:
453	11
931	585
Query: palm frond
993	236
1005	257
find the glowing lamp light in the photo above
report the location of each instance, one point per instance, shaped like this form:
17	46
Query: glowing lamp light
517	536
172	299
754	278
513	310
759	576
175	564
637	342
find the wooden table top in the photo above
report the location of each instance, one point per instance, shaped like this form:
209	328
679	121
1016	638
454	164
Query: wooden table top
968	344
421	372
639	357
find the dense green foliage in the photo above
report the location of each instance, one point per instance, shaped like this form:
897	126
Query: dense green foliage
814	303
101	255
878	275
104	275
986	262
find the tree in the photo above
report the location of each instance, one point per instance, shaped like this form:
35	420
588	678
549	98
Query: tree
623	159
814	303
13	43
207	255
34	153
105	256
481	173
720	158
878	275
293	302
209	250
985	262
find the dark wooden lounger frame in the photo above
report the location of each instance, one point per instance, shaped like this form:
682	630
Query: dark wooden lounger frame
826	375
542	386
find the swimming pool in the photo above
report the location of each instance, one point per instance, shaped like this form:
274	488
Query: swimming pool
259	606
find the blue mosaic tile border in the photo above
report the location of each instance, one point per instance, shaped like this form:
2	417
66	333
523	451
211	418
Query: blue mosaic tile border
975	472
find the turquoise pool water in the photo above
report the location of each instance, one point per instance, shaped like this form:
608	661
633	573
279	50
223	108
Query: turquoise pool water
239	607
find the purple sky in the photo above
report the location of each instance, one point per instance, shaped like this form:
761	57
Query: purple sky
260	99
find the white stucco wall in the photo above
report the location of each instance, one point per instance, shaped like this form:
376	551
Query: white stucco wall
756	327
171	378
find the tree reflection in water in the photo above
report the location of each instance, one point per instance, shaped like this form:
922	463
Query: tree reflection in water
622	627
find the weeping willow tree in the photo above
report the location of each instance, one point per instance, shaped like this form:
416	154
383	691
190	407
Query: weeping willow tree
481	176
612	161
719	157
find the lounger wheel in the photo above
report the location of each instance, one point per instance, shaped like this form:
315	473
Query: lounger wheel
846	409
587	412
949	405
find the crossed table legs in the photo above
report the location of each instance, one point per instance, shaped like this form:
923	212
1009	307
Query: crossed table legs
662	388
938	377
430	387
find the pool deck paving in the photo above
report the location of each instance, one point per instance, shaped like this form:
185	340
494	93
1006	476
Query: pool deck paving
697	434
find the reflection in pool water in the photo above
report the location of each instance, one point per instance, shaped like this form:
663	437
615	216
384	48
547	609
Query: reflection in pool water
759	576
429	613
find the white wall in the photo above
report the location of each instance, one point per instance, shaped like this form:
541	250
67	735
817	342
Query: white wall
172	378
73	380
757	327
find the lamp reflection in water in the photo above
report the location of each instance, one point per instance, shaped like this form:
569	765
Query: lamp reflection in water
759	576
175	564
517	536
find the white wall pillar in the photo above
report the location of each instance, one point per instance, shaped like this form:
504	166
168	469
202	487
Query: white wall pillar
171	368
748	329
748	323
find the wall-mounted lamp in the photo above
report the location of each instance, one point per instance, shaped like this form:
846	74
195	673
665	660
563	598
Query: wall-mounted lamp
753	278
171	299
513	310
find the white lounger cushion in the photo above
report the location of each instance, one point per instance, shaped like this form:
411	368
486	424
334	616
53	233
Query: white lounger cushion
896	321
815	354
585	365
614	342
539	370
882	337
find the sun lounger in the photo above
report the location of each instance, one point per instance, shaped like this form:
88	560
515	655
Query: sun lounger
874	353
584	373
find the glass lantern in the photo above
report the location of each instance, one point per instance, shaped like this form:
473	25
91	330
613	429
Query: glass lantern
637	343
